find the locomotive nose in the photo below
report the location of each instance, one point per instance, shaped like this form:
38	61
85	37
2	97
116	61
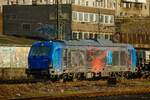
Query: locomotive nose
39	63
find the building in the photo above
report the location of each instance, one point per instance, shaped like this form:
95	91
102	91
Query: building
25	2
14	2
71	19
132	26
132	8
135	12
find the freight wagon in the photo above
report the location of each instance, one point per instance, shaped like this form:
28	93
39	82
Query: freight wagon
13	61
77	59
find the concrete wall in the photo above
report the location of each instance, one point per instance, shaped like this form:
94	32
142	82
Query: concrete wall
12	73
13	62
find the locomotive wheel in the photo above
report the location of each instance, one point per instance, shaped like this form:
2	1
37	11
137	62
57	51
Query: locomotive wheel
74	79
53	77
61	79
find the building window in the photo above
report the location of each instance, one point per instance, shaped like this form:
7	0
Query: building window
145	7
98	4
111	37
93	4
101	18
91	17
91	36
82	3
80	16
73	2
74	15
112	19
102	3
87	3
106	19
127	5
101	36
86	36
26	27
75	35
97	18
78	2
105	3
80	35
86	17
95	36
106	36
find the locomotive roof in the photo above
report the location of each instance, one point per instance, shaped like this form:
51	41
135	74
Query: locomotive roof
98	42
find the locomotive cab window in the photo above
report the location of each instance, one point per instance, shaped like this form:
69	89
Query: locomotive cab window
39	51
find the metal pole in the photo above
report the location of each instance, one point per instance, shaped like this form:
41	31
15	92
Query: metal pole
99	15
57	20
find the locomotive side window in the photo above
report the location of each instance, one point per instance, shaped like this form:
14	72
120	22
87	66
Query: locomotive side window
65	58
74	58
122	58
109	58
78	58
57	62
82	57
115	58
69	57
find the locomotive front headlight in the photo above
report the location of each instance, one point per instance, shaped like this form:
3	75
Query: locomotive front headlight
50	66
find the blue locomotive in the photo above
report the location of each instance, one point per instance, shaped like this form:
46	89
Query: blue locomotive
76	59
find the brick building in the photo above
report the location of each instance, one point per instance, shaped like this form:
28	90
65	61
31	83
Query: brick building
132	8
80	19
132	26
131	14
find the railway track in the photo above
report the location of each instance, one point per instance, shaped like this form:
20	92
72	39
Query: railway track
80	90
22	81
144	75
90	96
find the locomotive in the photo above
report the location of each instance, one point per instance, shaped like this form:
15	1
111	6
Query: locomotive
76	59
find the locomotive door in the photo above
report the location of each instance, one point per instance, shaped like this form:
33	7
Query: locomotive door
57	59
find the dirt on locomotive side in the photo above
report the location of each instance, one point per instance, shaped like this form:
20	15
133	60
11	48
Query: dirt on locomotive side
79	89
